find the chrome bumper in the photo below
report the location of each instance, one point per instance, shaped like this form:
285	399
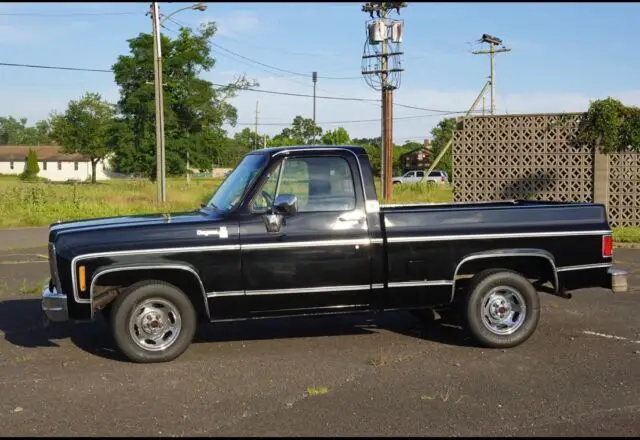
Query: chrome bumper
617	280
54	305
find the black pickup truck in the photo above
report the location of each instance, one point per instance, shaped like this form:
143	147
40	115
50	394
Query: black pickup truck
298	231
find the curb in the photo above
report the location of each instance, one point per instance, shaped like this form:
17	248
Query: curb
626	245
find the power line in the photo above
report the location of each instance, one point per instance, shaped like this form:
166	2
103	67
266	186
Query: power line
64	14
38	66
306	75
347	122
272	92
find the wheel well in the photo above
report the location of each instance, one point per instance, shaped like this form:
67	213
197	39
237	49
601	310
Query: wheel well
538	269
119	280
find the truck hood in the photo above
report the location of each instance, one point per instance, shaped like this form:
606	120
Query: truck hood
131	220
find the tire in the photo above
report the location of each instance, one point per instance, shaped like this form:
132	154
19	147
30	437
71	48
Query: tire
162	300
498	294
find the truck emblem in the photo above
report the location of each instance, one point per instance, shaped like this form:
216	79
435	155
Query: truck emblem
222	233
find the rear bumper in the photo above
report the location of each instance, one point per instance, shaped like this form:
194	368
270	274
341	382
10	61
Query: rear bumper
617	280
54	304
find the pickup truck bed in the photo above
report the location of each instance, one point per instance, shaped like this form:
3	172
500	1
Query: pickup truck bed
298	231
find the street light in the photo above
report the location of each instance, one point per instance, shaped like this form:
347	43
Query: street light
157	67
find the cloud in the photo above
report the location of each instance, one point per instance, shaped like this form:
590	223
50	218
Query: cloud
235	23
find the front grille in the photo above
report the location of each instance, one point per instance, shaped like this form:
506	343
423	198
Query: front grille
53	267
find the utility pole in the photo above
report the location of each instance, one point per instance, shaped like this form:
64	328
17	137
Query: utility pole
493	42
159	98
188	173
255	142
159	101
381	69
314	78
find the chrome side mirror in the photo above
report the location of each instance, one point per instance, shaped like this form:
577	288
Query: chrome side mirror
285	204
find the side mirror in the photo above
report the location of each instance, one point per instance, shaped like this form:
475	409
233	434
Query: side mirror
285	204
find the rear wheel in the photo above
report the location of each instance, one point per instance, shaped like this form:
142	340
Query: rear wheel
502	309
153	322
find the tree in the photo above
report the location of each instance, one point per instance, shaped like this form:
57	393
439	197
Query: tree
195	110
611	126
339	136
442	134
302	132
86	128
32	168
16	132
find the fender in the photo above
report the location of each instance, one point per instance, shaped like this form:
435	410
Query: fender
501	253
184	267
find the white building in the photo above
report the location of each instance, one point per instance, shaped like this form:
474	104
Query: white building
54	165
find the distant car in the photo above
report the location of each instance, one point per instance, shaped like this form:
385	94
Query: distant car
415	176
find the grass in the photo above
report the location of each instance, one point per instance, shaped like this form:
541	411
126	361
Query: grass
626	235
40	204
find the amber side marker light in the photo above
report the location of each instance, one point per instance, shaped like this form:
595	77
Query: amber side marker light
82	278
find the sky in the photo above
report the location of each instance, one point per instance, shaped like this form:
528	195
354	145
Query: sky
562	56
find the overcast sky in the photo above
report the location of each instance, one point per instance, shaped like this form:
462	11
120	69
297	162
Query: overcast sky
563	56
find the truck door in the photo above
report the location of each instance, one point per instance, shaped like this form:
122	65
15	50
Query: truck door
319	259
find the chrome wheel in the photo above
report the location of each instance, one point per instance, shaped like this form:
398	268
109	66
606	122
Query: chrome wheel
503	310
155	324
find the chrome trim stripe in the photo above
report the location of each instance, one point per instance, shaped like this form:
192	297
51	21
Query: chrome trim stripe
522	253
149	267
423	283
308	290
305	244
377	286
74	261
225	293
493	236
584	267
377	240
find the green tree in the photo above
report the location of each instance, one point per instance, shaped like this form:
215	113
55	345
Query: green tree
195	110
339	136
611	126
32	168
86	128
441	135
302	132
16	132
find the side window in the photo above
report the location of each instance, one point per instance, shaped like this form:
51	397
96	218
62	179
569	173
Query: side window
263	200
420	173
319	184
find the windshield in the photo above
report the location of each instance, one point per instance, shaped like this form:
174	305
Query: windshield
229	193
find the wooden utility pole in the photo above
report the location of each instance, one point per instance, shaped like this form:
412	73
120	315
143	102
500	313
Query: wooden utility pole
379	33
255	142
157	70
314	78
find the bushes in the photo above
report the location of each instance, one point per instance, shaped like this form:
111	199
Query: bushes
32	168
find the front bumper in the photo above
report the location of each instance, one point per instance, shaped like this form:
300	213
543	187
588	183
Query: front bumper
54	304
617	280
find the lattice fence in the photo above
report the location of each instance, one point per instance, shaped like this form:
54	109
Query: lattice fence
624	189
533	157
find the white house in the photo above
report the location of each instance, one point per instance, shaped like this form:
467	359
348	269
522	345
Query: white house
54	165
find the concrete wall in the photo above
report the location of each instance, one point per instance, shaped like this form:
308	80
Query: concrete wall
66	172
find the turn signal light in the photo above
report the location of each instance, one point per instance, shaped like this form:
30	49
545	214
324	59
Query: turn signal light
82	278
607	246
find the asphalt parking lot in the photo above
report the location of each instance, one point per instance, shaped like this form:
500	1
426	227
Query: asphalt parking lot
353	375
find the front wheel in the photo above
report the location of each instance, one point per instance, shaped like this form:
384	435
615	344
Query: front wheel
153	322
502	310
